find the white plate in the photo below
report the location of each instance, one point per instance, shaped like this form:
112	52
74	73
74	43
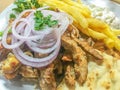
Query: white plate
17	85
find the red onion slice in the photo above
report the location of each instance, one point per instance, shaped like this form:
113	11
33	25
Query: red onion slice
48	50
6	45
46	41
42	50
33	62
32	59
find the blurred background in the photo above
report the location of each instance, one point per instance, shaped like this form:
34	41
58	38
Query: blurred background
4	4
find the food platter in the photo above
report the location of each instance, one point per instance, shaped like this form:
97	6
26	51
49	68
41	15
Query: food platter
19	85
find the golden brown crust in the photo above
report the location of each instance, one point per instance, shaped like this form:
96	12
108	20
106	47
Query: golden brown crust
79	57
47	79
70	77
11	64
28	72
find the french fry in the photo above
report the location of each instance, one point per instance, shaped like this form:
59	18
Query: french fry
79	1
79	7
117	45
109	43
96	24
96	35
99	26
76	24
116	32
111	35
100	36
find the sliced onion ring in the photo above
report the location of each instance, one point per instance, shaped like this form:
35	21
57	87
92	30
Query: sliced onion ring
46	41
32	62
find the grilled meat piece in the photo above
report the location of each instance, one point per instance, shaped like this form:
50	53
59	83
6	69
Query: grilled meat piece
11	75
93	59
89	49
70	77
79	58
11	64
58	65
47	79
28	72
74	43
3	53
67	56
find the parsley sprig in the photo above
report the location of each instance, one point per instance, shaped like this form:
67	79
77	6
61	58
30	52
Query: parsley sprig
22	5
1	33
41	21
25	4
12	16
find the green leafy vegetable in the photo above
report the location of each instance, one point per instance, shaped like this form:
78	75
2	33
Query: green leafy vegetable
1	34
41	21
12	16
52	23
10	30
22	5
25	4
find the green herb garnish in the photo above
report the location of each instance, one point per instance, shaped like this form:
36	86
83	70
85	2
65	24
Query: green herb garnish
1	34
25	4
12	16
10	30
41	21
22	5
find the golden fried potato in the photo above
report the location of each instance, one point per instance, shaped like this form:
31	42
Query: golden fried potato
116	32
96	24
80	7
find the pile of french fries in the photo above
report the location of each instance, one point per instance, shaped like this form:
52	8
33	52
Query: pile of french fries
85	23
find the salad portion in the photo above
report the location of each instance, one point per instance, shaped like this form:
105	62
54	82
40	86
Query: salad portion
60	45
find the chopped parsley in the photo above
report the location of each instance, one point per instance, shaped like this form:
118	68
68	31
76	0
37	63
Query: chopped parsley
1	34
10	30
25	4
22	5
12	16
41	21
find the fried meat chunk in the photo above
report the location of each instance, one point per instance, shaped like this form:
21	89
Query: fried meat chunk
10	76
58	65
70	77
11	64
67	56
28	72
47	79
80	48
79	58
89	49
3	53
